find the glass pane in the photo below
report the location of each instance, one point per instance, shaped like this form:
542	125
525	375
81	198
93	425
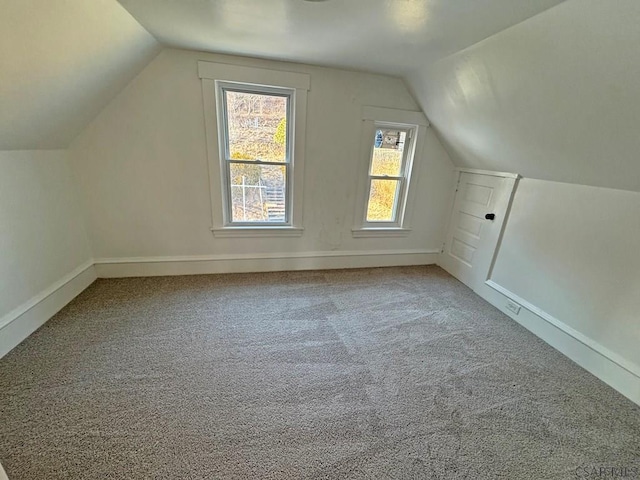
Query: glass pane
257	126
258	193
382	200
388	149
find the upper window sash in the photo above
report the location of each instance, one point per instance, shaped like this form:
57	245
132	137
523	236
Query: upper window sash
223	87
408	146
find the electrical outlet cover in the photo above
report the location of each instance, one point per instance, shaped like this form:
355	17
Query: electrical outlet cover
513	307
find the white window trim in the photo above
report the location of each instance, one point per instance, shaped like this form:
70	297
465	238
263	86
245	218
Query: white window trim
372	119
211	72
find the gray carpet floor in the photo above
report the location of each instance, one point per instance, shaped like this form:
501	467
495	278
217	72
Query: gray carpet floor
395	373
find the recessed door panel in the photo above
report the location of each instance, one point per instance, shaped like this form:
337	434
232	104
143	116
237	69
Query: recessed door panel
470	224
462	251
479	194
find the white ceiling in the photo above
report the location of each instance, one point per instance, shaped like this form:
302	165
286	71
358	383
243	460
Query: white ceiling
387	36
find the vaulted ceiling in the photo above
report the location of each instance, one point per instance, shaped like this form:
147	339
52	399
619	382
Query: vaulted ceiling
545	88
556	97
61	62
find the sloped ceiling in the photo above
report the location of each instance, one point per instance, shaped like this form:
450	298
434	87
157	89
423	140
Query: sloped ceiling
383	36
60	63
556	97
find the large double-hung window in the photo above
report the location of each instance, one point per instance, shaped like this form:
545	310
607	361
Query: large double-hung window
255	127
256	146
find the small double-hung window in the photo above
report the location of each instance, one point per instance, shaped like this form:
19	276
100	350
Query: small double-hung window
387	182
255	121
391	141
255	133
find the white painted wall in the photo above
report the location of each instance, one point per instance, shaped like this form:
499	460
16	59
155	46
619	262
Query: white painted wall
42	237
61	63
556	99
41	233
142	166
572	251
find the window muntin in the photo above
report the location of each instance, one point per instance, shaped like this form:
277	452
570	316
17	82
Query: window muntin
256	132
387	180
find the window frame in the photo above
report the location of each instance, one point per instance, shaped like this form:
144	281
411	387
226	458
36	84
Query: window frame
374	119
402	179
225	155
259	80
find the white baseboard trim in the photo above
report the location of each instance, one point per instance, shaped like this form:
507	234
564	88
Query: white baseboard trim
616	371
267	262
21	322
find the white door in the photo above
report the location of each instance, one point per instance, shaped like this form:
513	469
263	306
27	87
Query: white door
481	203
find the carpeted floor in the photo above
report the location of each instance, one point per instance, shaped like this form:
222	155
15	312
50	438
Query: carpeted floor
396	373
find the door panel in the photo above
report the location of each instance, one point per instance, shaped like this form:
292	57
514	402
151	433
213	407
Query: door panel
462	251
472	239
470	224
477	194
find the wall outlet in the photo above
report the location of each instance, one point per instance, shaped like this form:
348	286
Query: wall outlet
513	307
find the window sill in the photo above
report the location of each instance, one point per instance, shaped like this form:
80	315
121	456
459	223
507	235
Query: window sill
380	232
248	232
